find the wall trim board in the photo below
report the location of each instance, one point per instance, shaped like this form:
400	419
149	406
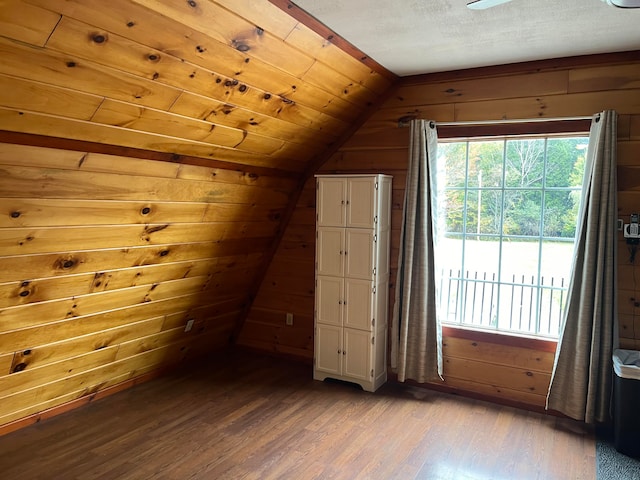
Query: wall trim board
523	67
499	338
550	127
108	391
393	377
35	140
325	32
83	400
279	355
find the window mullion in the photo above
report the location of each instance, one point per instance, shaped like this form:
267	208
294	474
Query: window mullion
462	294
501	230
540	238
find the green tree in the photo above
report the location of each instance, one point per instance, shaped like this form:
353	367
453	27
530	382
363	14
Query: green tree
475	172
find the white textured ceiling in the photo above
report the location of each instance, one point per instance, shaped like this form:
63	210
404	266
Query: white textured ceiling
422	36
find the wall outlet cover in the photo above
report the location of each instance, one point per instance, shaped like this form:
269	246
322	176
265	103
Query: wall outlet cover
189	325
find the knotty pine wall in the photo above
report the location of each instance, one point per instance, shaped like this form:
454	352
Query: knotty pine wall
105	258
105	254
512	369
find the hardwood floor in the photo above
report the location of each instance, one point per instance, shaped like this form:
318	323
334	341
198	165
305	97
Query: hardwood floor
246	416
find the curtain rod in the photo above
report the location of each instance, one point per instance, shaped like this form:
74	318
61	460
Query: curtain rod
404	122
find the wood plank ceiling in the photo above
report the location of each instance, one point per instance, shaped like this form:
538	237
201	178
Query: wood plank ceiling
234	81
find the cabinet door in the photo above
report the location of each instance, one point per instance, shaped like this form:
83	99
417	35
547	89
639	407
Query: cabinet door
358	303
329	300
356	353
361	202
331	202
359	253
328	352
330	251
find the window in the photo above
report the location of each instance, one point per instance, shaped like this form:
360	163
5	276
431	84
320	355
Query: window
506	228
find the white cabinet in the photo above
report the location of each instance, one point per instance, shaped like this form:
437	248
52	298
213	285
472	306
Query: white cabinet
352	278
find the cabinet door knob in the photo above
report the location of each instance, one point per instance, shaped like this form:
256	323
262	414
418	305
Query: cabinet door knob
339	351
344	352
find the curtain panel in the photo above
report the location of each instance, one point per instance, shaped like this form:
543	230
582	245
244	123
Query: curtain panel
582	375
416	342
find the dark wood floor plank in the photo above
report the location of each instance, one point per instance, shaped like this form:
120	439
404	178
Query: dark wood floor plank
242	415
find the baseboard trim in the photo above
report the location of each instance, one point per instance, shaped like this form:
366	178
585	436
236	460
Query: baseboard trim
81	401
393	377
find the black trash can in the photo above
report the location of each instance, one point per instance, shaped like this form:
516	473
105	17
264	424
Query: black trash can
626	401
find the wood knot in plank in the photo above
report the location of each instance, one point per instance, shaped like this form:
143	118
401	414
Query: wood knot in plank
19	367
192	3
240	45
15	214
145	211
65	263
99	38
27	239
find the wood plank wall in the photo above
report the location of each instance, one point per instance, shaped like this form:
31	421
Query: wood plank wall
105	258
512	369
105	254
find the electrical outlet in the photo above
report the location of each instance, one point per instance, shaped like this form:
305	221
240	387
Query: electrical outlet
189	325
289	320
632	229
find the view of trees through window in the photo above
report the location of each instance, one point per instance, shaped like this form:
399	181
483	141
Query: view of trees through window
507	212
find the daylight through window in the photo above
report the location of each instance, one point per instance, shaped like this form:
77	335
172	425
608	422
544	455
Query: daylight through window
506	215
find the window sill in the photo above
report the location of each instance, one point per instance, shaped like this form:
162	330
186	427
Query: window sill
500	338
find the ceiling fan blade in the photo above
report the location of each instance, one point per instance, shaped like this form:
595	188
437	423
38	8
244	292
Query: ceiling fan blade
624	3
484	4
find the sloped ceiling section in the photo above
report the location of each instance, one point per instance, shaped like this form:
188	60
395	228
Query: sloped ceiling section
238	81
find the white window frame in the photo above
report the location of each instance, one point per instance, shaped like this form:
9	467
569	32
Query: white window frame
497	285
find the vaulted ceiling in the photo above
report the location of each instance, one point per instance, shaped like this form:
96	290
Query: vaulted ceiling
236	82
245	83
